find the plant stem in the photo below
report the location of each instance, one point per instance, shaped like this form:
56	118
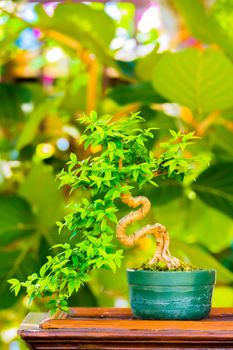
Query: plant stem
157	230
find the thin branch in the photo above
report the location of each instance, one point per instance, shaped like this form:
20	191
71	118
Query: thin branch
206	123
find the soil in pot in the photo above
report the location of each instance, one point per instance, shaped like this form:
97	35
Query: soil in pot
171	295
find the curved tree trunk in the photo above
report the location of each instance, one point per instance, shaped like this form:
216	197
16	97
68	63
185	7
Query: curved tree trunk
157	230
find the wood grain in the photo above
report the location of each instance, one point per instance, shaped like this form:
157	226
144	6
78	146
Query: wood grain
113	328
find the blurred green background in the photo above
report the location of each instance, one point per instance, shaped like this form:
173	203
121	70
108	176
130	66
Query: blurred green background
172	60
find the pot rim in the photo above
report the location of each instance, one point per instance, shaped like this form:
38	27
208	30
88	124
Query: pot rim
171	278
150	271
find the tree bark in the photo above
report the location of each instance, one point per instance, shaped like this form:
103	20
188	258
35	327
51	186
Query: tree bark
157	230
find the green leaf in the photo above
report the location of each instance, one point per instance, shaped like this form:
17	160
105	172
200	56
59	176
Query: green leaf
31	127
68	253
206	28
127	68
13	281
112	265
145	65
11	99
214	187
71	286
17	264
100	216
18	222
201	80
17	289
103	225
112	217
201	258
201	223
82	23
142	92
173	133
167	191
16	219
43	270
221	139
73	157
41	190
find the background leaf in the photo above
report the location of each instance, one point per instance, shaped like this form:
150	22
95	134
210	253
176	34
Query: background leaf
31	126
142	92
145	65
41	190
214	187
166	192
201	258
200	80
18	230
16	219
82	23
11	99
206	28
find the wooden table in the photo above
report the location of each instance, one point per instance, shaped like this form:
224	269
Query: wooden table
115	328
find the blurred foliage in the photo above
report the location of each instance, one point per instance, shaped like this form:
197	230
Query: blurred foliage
84	59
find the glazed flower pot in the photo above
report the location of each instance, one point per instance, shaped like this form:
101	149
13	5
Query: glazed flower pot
171	295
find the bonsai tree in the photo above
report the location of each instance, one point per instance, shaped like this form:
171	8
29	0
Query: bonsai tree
122	166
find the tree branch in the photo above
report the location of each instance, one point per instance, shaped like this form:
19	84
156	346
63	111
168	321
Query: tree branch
157	230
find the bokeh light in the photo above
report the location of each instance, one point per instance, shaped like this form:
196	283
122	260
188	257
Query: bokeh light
45	150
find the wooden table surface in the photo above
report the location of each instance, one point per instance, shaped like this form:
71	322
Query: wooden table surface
115	328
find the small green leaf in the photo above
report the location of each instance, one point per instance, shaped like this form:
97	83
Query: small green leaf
112	265
13	281
103	225
71	286
73	157
173	133
17	289
43	270
112	217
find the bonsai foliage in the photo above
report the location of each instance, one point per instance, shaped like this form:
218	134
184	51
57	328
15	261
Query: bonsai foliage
123	165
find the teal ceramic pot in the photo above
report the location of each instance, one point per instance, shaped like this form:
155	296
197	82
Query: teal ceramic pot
171	295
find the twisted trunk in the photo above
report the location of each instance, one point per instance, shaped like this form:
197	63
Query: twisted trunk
157	230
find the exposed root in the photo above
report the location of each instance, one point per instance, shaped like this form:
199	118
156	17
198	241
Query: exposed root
157	230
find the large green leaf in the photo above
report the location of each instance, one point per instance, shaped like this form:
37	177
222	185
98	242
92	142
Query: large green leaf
194	221
7	298
19	263
214	186
23	248
11	99
142	92
127	67
16	219
201	224
14	264
92	27
200	80
204	25
221	142
167	191
17	230
222	12
145	65
41	190
201	258
31	126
